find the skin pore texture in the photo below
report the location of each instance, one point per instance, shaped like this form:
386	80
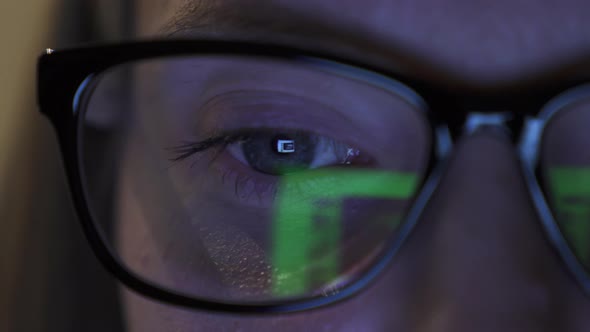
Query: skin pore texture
478	259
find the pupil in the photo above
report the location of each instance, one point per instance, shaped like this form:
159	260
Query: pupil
279	154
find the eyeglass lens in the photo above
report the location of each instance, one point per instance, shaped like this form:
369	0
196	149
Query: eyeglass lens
565	173
249	179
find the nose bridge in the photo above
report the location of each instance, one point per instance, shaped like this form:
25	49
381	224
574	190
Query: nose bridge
506	123
487	259
482	197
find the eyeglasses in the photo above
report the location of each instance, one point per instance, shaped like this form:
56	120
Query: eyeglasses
249	177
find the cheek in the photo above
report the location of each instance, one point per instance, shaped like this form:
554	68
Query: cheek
140	246
374	310
134	236
147	316
155	238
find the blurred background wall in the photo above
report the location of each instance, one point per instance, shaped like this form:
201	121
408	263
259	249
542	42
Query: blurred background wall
25	26
49	279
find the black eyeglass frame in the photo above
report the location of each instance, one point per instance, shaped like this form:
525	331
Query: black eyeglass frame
61	78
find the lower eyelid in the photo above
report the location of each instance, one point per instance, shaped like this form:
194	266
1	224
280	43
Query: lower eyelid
251	188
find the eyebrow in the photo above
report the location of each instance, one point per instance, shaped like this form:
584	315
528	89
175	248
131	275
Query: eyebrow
265	19
270	22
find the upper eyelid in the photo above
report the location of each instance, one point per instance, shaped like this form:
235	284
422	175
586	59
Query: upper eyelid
187	149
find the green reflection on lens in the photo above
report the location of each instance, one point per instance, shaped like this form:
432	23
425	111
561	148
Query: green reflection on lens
570	192
307	221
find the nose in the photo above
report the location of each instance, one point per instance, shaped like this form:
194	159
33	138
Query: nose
485	262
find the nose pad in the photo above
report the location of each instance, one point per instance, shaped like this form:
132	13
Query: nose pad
488	122
487	264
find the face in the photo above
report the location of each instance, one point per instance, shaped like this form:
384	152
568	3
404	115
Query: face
478	259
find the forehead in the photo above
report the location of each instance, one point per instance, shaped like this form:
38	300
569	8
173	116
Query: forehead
476	39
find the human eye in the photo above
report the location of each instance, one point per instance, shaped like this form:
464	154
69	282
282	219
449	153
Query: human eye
284	151
279	151
261	180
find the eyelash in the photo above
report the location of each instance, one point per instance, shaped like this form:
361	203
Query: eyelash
188	149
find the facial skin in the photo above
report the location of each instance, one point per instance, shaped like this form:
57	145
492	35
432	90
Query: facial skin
478	259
